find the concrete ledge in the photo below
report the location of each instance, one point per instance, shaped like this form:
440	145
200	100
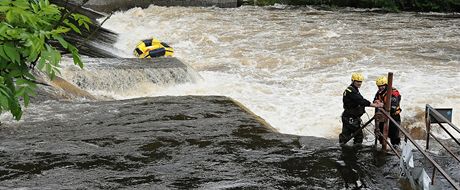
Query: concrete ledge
112	74
128	75
133	63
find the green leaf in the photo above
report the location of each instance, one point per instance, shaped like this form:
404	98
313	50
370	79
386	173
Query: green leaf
35	7
4	9
22	82
60	29
26	100
61	40
23	4
31	91
74	28
29	76
26	28
41	63
3	28
15	73
75	56
77	60
13	103
52	74
48	69
36	46
10	16
82	20
3	101
12	53
3	54
5	2
13	33
86	26
81	17
4	98
23	17
54	55
20	92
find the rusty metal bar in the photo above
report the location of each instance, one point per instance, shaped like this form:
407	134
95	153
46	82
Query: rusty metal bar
386	142
433	175
428	126
387	106
435	164
452	136
437	117
375	140
376	128
440	118
360	128
448	149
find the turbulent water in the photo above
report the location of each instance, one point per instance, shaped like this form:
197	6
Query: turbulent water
288	65
291	65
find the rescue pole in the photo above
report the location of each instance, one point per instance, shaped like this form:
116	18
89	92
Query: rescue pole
357	131
387	107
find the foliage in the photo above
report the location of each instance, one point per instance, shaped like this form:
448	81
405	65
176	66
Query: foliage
28	28
390	5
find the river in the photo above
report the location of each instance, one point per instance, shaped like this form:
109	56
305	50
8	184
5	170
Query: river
290	65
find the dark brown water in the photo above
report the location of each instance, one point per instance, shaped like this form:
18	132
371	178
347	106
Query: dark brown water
174	143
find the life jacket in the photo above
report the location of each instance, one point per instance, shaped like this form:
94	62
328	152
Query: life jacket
395	108
153	48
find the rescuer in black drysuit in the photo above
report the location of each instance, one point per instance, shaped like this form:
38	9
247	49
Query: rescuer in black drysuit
353	105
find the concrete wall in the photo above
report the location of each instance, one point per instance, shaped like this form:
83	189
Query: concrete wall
112	5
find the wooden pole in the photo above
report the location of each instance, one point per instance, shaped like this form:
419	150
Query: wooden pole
428	127
387	108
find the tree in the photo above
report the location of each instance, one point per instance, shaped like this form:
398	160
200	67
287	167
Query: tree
30	31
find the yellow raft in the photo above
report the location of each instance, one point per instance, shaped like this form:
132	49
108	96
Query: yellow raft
153	48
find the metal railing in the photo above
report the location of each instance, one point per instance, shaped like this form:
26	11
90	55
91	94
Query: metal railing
420	149
430	113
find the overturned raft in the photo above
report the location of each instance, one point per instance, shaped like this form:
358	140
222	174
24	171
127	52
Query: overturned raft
153	48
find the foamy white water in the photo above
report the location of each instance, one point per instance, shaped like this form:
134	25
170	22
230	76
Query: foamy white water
290	66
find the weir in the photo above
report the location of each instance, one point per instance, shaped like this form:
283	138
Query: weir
121	75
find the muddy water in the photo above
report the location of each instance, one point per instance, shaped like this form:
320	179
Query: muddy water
290	65
174	143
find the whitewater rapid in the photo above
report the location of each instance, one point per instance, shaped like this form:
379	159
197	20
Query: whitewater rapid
291	65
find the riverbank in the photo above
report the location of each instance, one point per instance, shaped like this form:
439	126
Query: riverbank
115	5
387	5
448	6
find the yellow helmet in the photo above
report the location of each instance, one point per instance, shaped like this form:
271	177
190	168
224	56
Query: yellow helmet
357	77
382	80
